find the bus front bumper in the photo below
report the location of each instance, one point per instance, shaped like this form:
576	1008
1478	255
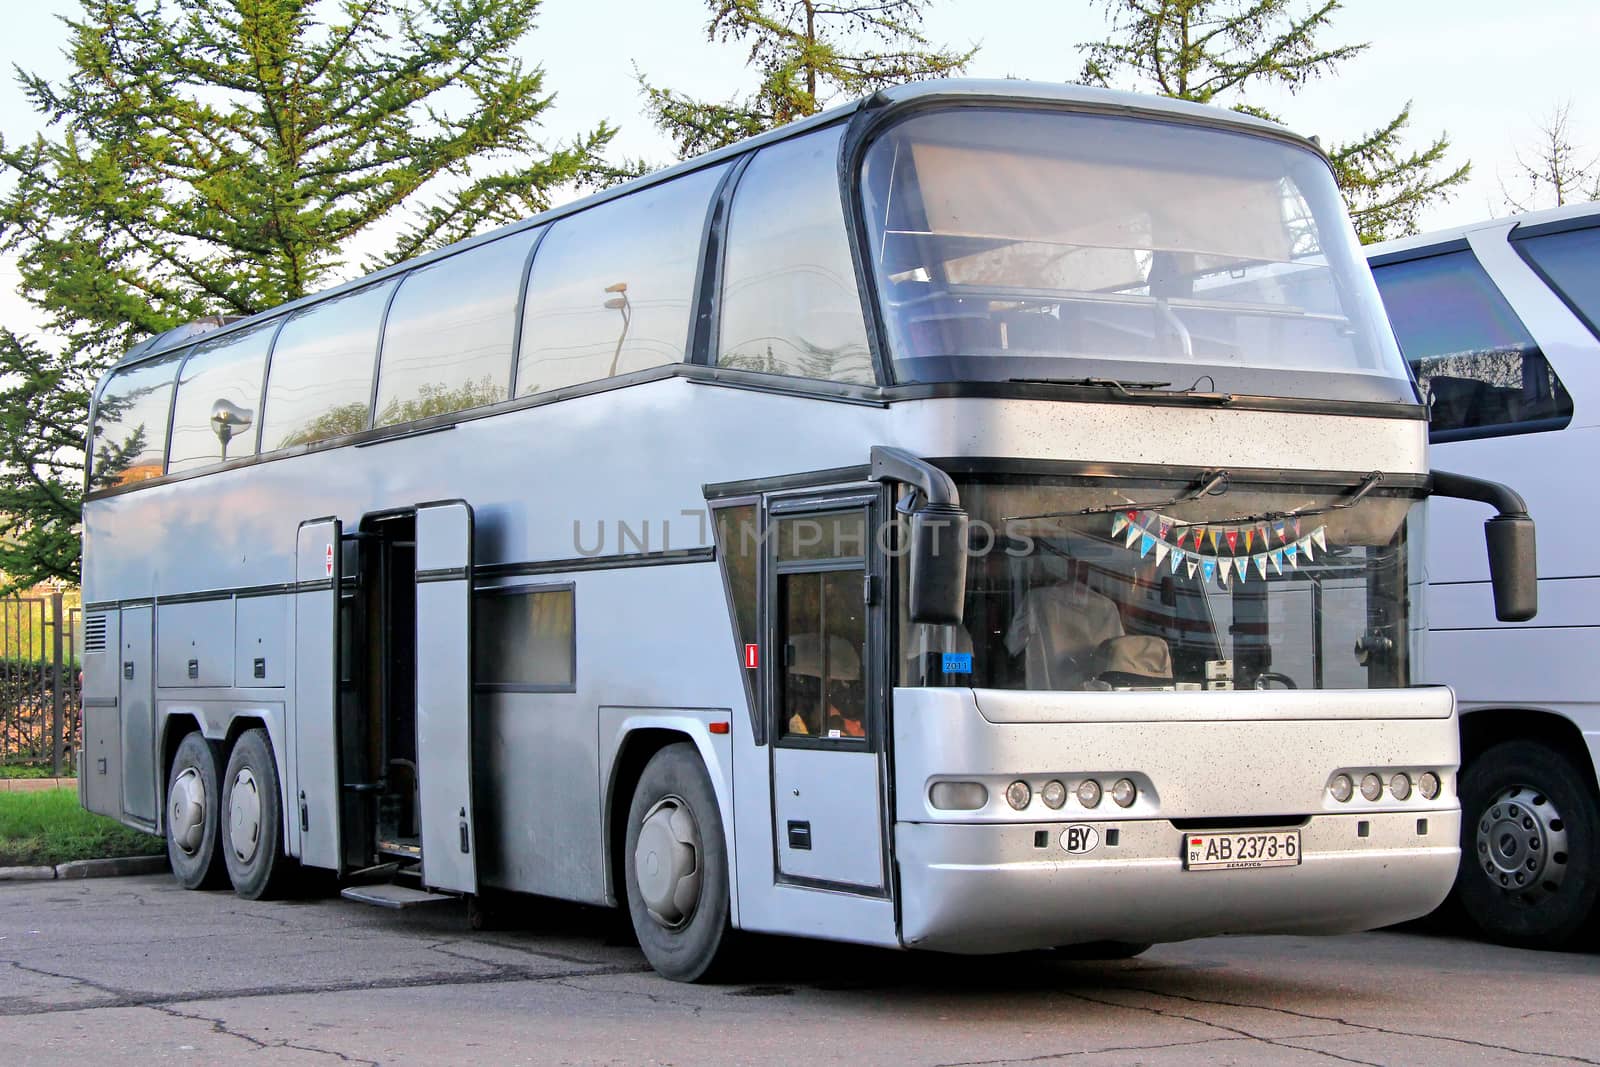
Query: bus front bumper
985	888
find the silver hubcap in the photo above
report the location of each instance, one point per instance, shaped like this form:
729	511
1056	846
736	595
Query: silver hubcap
244	816
188	816
666	862
1522	843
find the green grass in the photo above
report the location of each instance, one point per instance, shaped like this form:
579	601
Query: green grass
48	827
28	770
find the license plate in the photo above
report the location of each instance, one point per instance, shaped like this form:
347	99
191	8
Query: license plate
1241	851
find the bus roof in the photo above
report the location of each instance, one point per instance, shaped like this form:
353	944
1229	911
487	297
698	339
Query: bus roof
954	90
1420	241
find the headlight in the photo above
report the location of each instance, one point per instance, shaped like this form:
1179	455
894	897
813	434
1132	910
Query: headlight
1342	788
1054	794
1428	785
1124	793
1400	786
1089	793
958	796
1018	794
1371	786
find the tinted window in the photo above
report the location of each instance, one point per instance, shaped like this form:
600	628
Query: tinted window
130	425
1570	263
214	417
447	342
320	381
789	298
524	637
612	287
1481	369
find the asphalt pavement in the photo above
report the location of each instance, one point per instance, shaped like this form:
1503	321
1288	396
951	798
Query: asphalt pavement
137	970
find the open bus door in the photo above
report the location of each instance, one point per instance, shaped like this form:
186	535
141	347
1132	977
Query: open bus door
444	695
314	820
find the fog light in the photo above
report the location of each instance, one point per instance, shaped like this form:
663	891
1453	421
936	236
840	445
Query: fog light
1428	785
1018	794
1400	786
1372	787
1054	794
1089	793
958	796
1342	788
1124	793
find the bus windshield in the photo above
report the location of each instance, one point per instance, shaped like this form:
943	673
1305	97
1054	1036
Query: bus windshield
1011	245
1085	587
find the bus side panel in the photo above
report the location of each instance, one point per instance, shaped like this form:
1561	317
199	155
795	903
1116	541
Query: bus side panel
137	703
100	762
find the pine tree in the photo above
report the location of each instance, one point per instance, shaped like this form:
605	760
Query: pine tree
210	157
807	53
1215	51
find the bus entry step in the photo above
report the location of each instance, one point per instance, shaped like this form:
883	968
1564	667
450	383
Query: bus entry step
392	896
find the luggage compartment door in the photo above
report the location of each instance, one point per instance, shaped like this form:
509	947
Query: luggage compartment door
444	695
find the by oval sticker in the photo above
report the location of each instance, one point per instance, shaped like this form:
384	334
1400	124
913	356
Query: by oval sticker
1080	839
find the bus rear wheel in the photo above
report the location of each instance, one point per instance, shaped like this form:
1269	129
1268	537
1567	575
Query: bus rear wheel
192	815
1530	847
676	867
252	833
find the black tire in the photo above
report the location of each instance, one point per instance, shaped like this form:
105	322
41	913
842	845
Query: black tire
252	847
1102	950
692	943
193	812
1529	783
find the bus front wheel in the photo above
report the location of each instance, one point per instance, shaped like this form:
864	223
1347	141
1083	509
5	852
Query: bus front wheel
677	867
1530	846
252	832
193	814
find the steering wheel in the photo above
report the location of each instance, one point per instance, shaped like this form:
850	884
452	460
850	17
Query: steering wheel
1273	676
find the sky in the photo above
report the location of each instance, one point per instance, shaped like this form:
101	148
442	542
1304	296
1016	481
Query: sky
1484	72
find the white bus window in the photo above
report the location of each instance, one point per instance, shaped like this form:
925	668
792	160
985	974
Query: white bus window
447	342
130	424
524	638
1482	370
789	299
1569	261
825	635
612	287
214	416
319	384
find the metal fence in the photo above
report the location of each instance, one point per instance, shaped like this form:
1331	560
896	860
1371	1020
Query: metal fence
40	692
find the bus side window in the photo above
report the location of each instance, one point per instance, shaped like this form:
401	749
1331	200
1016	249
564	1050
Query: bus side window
130	424
1482	370
524	639
1569	263
790	304
319	380
612	286
448	339
219	390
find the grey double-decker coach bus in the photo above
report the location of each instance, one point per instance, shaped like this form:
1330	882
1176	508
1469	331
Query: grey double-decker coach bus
978	518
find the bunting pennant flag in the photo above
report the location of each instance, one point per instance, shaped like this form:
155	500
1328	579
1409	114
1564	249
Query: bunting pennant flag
1165	526
1177	558
1133	535
1182	545
1193	564
1146	543
1261	564
1249	537
1118	524
1224	566
1276	556
1320	536
1242	566
1162	548
1305	546
1232	537
1297	526
1289	552
1208	567
1182	533
1212	533
1281	531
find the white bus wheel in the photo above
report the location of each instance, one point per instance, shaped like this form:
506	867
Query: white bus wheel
252	830
1530	846
193	813
676	867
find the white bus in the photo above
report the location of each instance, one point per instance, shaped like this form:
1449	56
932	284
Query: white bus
1501	323
936	524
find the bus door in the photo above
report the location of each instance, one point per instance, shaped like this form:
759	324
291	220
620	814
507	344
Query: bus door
444	695
825	626
314	823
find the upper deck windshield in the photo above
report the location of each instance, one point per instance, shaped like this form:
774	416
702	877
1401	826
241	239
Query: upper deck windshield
1049	245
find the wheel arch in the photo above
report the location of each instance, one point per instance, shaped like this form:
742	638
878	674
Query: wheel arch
1483	728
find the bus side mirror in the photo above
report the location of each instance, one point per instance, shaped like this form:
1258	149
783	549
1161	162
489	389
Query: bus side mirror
938	564
1513	567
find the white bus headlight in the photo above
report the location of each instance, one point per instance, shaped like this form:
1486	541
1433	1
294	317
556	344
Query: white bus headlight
1054	794
1342	788
1400	786
1089	793
958	796
1428	785
1124	793
1018	794
1371	786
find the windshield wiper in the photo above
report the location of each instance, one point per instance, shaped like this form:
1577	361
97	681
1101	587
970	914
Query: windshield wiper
1368	483
1211	483
1126	387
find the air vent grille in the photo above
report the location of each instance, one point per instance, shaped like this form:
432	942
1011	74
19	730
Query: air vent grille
94	634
